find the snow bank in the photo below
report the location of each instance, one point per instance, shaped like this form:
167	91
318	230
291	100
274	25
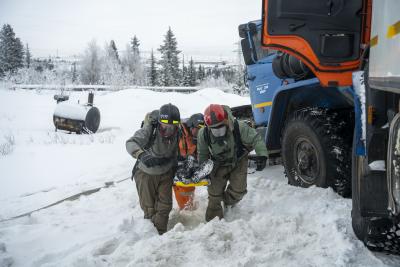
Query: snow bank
275	225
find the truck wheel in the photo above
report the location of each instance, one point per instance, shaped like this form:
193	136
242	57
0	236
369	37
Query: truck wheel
315	150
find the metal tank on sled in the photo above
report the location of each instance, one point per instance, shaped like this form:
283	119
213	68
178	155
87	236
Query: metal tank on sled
75	117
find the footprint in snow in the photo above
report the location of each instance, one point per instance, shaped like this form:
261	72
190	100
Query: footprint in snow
6	262
3	248
107	248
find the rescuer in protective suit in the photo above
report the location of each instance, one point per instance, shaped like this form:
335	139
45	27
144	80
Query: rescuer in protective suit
187	160
227	142
155	146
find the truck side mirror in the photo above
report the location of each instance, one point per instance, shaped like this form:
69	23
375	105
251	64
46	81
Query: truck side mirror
242	30
248	55
252	28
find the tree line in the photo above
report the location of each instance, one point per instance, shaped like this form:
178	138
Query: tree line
109	66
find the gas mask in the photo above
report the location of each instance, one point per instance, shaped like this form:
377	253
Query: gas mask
219	131
219	134
168	130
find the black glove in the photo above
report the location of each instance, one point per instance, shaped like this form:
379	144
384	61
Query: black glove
150	161
186	168
261	162
183	173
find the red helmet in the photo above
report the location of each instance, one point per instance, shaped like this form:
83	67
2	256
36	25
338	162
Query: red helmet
215	115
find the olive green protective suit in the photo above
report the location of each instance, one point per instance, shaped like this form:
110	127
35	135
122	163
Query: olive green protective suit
229	177
154	184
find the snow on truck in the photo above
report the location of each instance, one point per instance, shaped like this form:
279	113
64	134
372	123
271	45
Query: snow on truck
324	79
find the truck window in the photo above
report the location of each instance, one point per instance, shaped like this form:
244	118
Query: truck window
261	53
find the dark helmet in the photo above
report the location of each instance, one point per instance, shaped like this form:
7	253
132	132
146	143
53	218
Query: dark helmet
215	115
196	120
169	114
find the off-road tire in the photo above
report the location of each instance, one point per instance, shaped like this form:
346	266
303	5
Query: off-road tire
316	149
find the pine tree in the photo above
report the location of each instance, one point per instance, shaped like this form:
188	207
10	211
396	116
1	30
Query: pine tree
11	51
133	62
74	75
135	46
153	70
170	73
113	51
184	74
191	73
201	73
240	87
216	72
209	73
28	56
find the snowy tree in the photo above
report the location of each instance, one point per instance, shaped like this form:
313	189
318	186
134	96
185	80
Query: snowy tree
216	72
41	65
113	51
28	57
111	69
135	46
133	62
191	73
201	73
11	51
184	74
230	74
239	86
91	65
153	75
74	74
170	73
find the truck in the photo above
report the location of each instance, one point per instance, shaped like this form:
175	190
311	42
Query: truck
324	83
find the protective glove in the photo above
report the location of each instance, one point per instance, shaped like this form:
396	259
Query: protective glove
183	172
261	163
203	171
151	161
186	168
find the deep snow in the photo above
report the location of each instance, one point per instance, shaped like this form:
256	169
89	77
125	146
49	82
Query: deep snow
275	224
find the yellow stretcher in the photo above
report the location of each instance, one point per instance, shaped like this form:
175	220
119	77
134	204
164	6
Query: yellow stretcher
201	183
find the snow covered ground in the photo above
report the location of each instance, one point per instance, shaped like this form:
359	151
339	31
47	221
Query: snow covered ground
275	224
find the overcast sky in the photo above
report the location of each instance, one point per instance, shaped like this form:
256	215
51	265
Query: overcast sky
207	27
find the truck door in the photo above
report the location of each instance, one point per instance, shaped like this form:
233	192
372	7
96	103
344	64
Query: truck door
324	34
263	84
260	77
